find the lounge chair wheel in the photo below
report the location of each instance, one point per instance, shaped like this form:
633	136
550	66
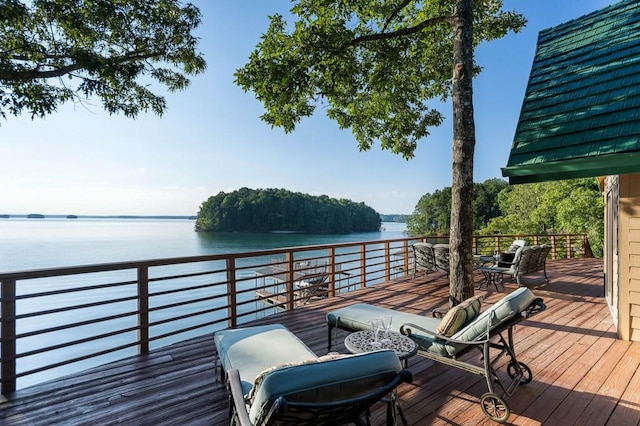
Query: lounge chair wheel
527	375
494	407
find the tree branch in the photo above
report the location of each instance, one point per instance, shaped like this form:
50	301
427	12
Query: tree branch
33	74
394	14
59	72
445	19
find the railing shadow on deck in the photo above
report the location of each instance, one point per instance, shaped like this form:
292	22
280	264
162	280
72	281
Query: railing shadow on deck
64	319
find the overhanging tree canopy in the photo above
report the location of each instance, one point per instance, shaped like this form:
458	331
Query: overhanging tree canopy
53	51
374	65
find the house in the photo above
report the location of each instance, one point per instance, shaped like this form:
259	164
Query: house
581	117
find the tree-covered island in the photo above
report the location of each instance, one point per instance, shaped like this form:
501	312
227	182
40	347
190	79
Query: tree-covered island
279	210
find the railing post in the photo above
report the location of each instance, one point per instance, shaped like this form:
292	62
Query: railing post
387	261
405	257
288	260
363	265
143	309
8	338
568	246
232	292
332	272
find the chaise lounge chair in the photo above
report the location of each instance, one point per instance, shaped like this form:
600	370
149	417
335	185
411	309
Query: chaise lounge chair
275	379
460	330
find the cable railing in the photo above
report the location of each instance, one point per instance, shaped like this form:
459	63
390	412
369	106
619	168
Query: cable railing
60	320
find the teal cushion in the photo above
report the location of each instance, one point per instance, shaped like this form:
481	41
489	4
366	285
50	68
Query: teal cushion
332	380
498	313
253	349
357	316
257	382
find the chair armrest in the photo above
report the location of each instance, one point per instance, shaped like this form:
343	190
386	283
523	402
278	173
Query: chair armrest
535	307
438	313
407	330
240	407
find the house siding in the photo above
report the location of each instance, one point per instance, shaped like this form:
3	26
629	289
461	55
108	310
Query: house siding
629	279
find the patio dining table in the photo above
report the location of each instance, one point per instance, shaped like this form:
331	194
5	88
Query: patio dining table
491	273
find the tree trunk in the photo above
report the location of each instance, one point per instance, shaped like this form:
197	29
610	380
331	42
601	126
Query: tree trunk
464	140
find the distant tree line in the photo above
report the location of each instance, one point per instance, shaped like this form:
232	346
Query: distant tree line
571	206
432	214
268	210
397	218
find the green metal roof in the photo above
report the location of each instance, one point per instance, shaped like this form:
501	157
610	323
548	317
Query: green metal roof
581	113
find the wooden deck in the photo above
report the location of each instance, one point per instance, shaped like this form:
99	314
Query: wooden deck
582	373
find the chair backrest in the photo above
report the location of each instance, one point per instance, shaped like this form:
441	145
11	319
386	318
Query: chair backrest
517	262
424	256
342	387
542	259
285	412
497	314
535	257
529	259
517	244
441	253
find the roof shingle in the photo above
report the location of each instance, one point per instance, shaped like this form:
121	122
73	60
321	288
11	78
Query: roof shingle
581	110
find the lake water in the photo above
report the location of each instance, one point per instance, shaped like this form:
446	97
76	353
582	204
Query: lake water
44	243
50	243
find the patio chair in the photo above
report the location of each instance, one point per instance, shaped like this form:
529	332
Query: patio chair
275	379
424	259
310	287
528	259
430	258
441	252
460	330
315	406
508	256
542	260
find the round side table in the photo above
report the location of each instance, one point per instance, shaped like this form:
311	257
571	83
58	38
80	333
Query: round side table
360	341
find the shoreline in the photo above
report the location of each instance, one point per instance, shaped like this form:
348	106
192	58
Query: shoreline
73	216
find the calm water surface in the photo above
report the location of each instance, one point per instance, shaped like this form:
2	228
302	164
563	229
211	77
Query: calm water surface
45	243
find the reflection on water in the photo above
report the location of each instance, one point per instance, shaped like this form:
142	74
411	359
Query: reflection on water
234	242
45	243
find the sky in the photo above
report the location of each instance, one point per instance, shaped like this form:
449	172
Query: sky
81	160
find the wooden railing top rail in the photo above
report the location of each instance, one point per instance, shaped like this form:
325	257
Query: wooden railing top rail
113	266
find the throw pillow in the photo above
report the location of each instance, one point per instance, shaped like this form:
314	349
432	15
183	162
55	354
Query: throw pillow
260	377
459	316
452	321
472	306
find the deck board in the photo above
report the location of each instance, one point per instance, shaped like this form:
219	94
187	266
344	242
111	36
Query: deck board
582	373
